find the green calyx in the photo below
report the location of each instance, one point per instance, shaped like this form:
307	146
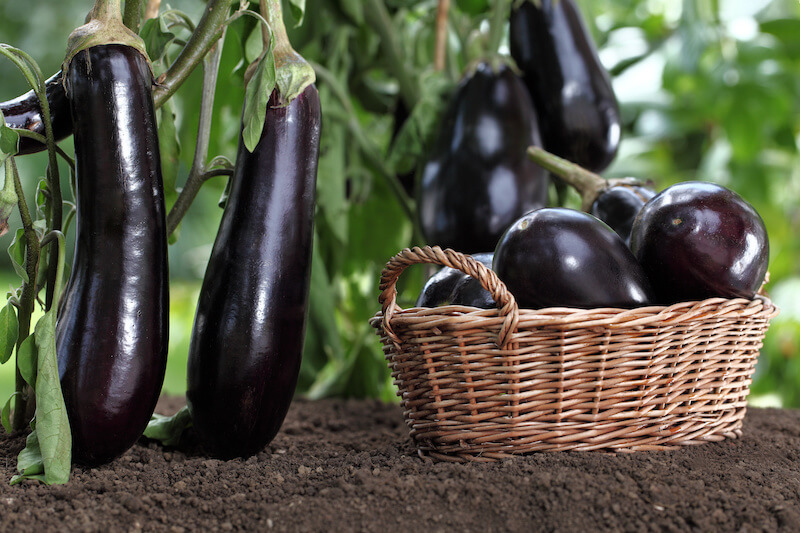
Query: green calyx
292	72
103	26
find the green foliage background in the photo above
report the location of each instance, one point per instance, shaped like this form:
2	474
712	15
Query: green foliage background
709	90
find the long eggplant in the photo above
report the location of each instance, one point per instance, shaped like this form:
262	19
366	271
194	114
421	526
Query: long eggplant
247	340
572	93
478	179
113	325
24	112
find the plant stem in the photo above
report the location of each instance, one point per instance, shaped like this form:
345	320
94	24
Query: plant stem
60	240
377	17
105	10
24	402
197	174
497	25
206	33
440	48
54	188
133	14
43	140
588	184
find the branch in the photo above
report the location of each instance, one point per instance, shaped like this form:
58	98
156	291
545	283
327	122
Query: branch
132	17
197	174
208	32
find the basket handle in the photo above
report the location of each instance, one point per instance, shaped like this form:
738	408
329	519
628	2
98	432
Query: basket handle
447	257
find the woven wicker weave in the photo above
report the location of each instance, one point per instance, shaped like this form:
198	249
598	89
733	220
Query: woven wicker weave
487	384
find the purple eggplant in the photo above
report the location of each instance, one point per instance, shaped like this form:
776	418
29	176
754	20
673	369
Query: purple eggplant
247	341
113	326
698	240
451	286
618	206
24	112
558	257
578	113
478	179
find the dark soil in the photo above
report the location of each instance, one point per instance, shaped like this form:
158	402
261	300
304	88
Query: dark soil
349	465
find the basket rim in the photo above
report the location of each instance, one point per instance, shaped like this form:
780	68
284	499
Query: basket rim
450	316
511	318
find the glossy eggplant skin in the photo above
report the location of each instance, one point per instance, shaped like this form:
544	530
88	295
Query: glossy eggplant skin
24	112
450	286
698	240
478	179
578	113
619	205
557	257
111	337
247	340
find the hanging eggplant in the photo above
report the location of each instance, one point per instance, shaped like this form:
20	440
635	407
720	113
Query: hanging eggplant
247	340
478	180
113	325
578	113
24	112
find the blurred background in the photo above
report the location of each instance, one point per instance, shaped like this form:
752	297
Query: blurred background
709	90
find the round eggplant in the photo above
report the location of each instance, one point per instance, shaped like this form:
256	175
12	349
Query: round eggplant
111	337
619	205
557	257
698	240
478	179
451	286
247	340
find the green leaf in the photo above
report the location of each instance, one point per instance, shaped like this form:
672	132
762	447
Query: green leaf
298	9
353	9
5	414
26	360
169	429
157	37
17	253
52	424
9	331
9	141
30	464
417	133
254	45
256	97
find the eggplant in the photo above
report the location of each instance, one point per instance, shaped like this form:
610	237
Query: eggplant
478	179
558	257
247	340
24	112
698	240
578	112
111	336
618	206
451	286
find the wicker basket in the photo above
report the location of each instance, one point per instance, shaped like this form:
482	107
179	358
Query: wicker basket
487	384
